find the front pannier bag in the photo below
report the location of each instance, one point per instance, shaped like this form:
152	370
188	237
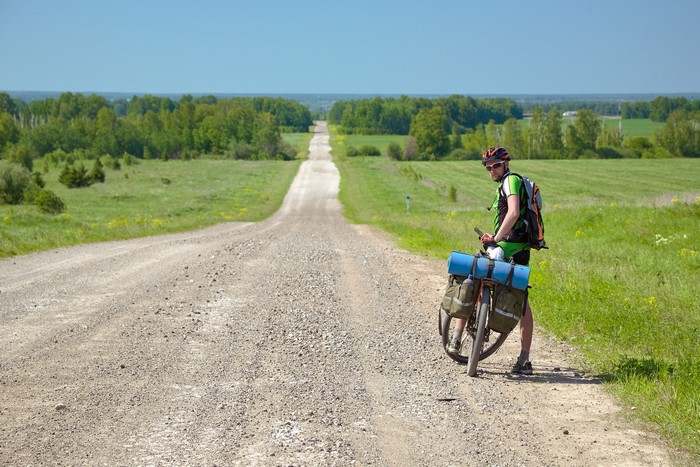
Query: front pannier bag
460	297
507	308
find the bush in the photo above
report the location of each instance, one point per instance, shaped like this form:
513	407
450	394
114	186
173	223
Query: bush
368	150
452	194
75	177
238	150
48	202
14	179
463	155
608	152
351	151
411	151
657	153
97	174
35	186
111	162
287	150
22	154
394	152
638	145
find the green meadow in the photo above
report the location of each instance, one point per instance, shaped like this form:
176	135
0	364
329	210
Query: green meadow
620	277
151	197
634	126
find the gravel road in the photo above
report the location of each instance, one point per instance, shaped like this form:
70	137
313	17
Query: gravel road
300	340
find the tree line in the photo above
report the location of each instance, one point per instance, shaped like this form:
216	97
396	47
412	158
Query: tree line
149	127
459	127
394	116
659	109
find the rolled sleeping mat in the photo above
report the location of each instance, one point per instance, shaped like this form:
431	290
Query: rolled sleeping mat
513	275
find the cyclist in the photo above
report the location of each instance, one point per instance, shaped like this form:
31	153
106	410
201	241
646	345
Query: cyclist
511	238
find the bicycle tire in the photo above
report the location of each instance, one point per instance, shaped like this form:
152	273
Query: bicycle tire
478	342
493	340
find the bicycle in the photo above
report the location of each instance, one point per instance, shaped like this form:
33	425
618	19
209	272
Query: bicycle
479	339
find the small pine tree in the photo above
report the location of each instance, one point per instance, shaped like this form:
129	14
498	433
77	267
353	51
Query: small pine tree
75	177
97	174
48	202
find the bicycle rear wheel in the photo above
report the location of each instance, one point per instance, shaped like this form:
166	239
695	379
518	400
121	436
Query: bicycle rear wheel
492	340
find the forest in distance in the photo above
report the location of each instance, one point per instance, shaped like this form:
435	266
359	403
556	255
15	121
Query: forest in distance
321	103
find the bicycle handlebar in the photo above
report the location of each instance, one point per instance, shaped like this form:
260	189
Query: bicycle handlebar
481	234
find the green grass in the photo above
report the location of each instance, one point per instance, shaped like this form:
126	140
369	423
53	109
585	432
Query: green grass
301	141
619	280
381	142
149	198
630	127
635	126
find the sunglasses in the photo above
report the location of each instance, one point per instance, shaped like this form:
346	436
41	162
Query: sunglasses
494	166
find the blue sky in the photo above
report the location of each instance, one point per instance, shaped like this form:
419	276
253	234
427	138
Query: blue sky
352	46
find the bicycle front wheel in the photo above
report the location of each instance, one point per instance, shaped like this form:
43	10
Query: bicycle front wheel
492	339
478	342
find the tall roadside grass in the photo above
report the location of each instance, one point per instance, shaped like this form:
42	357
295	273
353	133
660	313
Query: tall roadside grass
149	198
620	280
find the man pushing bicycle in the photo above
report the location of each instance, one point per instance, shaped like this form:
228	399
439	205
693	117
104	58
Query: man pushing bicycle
510	234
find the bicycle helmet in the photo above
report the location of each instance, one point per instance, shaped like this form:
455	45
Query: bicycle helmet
495	153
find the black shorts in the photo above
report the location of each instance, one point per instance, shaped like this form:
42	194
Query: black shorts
522	257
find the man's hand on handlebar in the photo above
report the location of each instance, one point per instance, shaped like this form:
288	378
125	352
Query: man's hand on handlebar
488	240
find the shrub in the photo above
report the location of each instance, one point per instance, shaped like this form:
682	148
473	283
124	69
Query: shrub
111	162
608	152
394	152
369	150
351	151
75	177
657	153
22	154
463	155
452	194
638	145
238	150
287	150
411	151
35	186
48	202
97	174
14	179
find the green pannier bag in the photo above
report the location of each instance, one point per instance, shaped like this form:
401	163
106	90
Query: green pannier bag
508	306
460	297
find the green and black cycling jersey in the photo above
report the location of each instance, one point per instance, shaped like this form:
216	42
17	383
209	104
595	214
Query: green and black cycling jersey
514	241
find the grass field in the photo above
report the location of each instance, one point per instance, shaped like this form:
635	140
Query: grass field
149	198
635	126
630	127
152	197
619	280
381	142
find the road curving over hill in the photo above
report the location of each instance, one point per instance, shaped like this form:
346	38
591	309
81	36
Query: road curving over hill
300	340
